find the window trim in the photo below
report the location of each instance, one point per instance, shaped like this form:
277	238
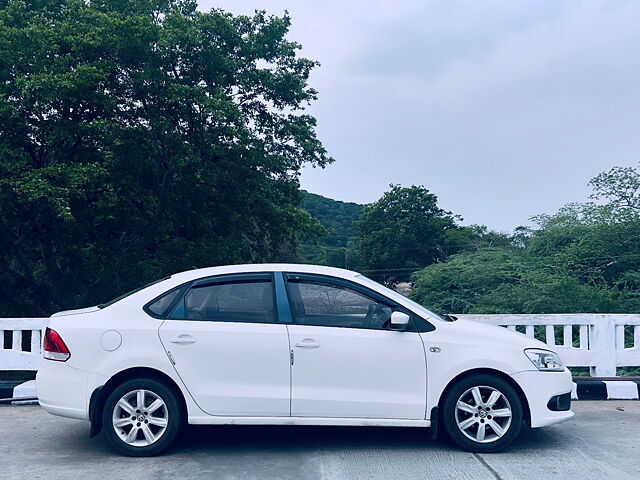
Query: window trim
234	278
283	305
358	288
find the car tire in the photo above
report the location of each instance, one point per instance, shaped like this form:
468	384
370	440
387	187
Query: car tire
482	413
142	417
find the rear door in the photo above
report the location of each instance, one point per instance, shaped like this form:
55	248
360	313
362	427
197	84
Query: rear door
347	362
229	348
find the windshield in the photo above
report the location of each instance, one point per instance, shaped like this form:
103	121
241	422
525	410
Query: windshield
398	296
135	290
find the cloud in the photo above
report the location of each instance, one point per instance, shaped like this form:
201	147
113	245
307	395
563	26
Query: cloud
504	109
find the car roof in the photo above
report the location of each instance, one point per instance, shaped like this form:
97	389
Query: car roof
263	267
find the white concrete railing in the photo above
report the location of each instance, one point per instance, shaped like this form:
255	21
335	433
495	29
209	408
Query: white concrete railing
596	341
20	340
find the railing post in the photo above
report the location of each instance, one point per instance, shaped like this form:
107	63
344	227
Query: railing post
16	343
603	344
35	341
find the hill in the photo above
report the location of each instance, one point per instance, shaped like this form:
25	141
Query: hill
339	218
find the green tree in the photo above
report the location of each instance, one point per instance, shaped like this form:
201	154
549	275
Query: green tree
621	187
402	231
584	258
141	137
507	280
455	286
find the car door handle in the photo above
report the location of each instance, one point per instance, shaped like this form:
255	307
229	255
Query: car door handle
183	339
307	343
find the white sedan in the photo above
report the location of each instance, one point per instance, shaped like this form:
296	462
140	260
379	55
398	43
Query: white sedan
291	344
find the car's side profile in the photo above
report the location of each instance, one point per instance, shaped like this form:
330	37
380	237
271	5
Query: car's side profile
291	344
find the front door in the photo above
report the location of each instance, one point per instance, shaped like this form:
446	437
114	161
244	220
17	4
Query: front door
228	347
347	363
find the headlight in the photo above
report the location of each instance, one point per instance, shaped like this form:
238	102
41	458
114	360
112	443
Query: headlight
544	360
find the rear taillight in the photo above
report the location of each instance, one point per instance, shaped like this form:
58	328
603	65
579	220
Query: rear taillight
53	348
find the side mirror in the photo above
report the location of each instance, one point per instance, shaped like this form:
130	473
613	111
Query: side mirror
399	321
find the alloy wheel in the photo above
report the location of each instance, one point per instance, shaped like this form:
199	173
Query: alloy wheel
140	418
483	414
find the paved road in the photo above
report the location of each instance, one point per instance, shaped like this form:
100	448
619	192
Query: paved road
602	441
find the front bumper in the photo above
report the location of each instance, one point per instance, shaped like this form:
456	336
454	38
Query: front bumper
539	388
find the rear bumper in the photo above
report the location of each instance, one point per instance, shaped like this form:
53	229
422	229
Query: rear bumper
62	390
540	388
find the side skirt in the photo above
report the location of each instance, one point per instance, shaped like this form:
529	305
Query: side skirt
373	422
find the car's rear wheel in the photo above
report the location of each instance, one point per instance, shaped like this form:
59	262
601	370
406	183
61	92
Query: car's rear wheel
142	417
482	413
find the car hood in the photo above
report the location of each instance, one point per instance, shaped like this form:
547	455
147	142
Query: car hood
78	311
498	335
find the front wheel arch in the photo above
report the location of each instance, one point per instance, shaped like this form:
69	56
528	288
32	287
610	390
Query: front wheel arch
100	394
487	371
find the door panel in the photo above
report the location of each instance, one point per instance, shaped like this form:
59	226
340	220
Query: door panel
347	363
348	372
228	349
232	368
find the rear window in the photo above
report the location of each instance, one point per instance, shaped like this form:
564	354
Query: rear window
161	306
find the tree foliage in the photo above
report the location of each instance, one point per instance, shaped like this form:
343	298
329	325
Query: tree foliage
584	258
506	280
141	137
621	187
404	230
339	218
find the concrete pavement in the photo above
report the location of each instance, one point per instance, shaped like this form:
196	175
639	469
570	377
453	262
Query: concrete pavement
601	441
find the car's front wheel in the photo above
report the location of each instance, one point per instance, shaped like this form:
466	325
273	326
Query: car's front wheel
482	413
142	417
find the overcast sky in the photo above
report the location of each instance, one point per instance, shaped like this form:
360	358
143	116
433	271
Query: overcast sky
503	108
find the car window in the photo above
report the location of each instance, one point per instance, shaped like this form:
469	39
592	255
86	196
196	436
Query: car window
161	306
329	305
239	301
398	296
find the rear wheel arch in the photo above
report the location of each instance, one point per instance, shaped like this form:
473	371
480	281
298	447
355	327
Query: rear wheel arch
488	371
100	394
